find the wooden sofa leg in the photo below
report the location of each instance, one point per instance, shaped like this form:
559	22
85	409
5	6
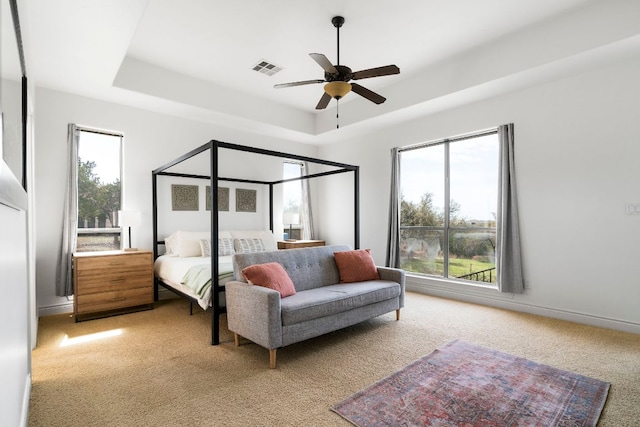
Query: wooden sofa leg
272	358
236	339
398	314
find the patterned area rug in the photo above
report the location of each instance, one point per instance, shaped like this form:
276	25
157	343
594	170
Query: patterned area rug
462	384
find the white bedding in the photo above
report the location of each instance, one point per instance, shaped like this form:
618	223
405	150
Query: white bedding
171	270
185	250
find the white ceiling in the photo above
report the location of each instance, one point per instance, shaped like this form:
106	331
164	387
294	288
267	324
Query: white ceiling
194	58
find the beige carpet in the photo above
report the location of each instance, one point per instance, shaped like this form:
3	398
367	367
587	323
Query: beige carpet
162	370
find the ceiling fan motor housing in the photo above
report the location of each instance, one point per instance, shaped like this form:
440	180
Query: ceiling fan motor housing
344	74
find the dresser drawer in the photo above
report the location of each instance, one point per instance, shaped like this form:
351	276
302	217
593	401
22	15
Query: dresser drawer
104	301
114	281
101	265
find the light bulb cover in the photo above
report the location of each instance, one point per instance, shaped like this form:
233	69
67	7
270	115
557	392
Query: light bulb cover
337	89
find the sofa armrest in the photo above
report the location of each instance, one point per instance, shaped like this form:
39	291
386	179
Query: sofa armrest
253	312
395	275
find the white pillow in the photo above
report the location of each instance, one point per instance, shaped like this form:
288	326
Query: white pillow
171	245
189	243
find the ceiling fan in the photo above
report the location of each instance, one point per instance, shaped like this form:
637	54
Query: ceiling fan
337	77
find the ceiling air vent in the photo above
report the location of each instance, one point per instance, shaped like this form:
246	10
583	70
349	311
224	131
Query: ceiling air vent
266	67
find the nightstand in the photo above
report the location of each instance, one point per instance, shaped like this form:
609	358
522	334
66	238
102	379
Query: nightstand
106	283
299	244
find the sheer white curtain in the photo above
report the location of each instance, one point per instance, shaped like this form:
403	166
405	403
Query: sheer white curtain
508	253
393	234
64	279
306	214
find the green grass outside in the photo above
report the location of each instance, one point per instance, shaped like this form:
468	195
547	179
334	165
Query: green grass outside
457	266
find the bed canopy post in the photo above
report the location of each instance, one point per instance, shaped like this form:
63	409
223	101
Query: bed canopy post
271	207
154	220
215	317
356	207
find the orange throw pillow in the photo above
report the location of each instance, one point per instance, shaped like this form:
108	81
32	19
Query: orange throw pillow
356	266
270	275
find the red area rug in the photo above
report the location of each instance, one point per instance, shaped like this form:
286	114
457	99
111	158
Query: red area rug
462	384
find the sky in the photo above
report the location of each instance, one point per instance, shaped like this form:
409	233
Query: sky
105	151
474	175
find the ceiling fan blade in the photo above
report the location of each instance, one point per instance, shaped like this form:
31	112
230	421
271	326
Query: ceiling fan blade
304	82
324	62
366	93
387	70
324	101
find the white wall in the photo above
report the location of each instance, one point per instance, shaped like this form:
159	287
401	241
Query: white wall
15	353
150	141
577	150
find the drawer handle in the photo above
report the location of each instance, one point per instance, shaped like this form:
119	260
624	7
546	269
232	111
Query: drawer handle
117	299
116	281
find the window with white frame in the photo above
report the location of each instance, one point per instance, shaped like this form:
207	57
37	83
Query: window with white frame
99	174
448	207
292	200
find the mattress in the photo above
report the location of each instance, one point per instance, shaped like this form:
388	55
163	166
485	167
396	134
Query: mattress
171	270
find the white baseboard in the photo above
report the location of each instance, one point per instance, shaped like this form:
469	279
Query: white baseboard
477	296
51	310
24	415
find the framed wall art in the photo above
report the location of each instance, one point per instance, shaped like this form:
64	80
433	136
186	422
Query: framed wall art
245	200
184	197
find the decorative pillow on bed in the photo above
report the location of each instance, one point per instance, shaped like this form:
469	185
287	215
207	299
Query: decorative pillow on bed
270	275
356	266
225	247
248	246
205	247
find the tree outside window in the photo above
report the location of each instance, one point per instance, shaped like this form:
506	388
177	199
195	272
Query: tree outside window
99	191
448	208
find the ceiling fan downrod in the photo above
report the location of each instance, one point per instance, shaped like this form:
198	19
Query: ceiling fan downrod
337	22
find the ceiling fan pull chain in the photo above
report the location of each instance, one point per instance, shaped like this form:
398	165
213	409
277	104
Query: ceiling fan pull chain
337	114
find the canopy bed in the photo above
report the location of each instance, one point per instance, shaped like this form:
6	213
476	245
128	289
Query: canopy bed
219	258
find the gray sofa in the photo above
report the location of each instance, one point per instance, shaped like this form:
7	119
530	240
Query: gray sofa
321	304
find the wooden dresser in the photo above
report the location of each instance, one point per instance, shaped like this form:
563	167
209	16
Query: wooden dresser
294	244
111	282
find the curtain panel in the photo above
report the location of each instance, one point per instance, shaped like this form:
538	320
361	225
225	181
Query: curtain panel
508	251
393	233
64	277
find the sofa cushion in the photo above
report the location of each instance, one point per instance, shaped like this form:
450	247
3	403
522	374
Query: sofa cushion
270	275
327	300
356	266
307	267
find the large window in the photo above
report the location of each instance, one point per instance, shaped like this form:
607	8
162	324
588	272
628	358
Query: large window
99	190
449	193
292	200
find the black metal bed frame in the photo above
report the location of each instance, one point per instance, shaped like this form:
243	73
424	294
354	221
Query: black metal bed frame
213	146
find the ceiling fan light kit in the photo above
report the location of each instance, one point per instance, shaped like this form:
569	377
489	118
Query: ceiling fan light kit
337	76
337	89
